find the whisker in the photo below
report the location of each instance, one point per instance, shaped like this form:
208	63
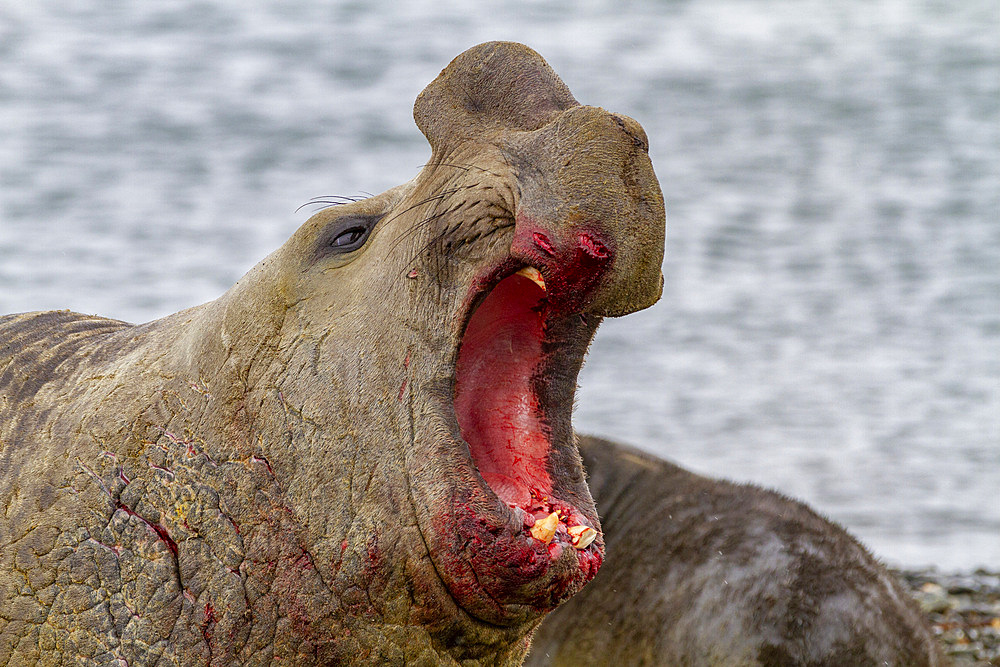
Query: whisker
327	201
510	223
423	224
437	239
418	226
466	167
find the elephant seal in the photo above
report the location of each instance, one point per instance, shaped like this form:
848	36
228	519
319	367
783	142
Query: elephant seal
360	453
706	572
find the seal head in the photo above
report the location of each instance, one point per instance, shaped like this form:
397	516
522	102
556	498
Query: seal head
534	218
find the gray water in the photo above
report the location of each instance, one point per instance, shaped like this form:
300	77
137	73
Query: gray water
831	320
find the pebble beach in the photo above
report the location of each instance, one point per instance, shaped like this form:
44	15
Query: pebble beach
964	611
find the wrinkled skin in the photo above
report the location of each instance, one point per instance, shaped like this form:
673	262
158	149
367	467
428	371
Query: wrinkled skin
278	476
706	572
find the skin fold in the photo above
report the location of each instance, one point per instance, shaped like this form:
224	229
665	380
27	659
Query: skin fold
707	572
278	476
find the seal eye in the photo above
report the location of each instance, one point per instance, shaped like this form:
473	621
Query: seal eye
346	234
349	238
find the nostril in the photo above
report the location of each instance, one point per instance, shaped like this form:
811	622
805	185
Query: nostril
592	246
542	241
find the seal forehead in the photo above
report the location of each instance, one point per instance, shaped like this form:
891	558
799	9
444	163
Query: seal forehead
493	86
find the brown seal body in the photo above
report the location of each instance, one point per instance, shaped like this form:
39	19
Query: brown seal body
706	572
341	459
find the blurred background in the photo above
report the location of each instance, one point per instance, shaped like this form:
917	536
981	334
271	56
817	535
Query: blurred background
830	325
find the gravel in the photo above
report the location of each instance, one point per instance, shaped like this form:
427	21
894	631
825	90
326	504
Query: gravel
964	611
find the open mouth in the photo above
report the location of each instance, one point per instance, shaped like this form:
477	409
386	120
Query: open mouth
512	528
508	407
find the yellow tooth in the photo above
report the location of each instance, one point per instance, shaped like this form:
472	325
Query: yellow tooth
545	529
582	536
534	275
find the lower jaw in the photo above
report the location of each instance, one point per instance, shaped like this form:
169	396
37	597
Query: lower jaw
497	572
479	546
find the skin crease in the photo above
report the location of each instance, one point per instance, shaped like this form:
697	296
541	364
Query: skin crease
277	477
706	572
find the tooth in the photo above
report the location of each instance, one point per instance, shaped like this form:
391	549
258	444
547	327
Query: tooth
582	536
534	275
545	529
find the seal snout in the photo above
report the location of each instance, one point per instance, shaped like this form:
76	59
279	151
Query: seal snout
585	183
589	201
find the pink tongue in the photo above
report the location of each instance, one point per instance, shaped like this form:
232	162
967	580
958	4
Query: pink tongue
496	406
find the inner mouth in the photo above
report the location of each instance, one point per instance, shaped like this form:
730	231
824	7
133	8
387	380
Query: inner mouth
498	410
500	369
